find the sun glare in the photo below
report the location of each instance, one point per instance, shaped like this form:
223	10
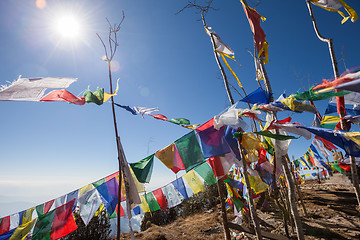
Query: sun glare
68	27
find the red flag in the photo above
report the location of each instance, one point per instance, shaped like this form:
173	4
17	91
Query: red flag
259	35
216	165
159	116
160	198
63	222
206	125
48	205
63	95
5	225
262	156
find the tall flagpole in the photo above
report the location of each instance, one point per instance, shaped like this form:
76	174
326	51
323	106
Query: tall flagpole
113	44
339	100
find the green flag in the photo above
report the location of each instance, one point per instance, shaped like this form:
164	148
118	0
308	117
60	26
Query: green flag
96	97
275	136
98	182
189	150
206	172
143	169
151	201
310	95
43	226
179	121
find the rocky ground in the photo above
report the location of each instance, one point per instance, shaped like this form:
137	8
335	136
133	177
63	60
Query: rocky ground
331	206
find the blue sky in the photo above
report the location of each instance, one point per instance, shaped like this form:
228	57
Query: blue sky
165	60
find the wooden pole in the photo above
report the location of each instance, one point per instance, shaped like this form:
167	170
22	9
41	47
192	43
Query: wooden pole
250	199
339	100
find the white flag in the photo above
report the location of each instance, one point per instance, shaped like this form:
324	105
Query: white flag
88	204
32	89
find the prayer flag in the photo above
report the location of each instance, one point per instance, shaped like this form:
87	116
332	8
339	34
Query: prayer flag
127	108
151	201
32	89
107	198
179	121
23	230
43	226
73	195
259	35
159	116
173	197
5	225
179	185
275	136
63	95
189	150
44	208
298	106
213	142
144	110
160	198
230	117
194	182
144	206
96	97
27	216
89	203
321	147
331	108
335	5
171	158
258	96
63	222
59	201
348	77
143	169
310	95
206	172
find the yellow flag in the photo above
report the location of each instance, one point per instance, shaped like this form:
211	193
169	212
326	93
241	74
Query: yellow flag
99	210
194	182
85	189
23	230
108	95
354	136
144	206
330	119
27	216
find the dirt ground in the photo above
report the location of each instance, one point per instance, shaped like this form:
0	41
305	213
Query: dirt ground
332	213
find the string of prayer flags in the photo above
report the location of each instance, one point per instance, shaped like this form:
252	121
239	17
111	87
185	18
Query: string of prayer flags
259	35
143	169
345	140
335	5
171	158
257	97
64	96
32	89
189	150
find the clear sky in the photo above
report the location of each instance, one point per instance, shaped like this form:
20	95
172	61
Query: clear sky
163	60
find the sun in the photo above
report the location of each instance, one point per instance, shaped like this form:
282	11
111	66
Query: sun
68	27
